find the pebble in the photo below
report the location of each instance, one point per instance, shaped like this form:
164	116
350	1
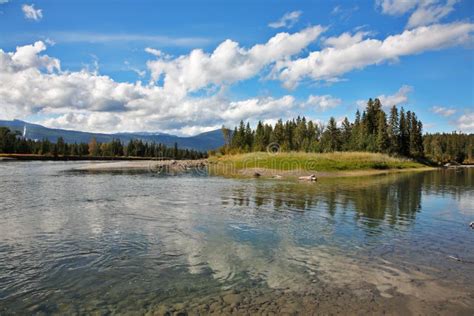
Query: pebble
232	299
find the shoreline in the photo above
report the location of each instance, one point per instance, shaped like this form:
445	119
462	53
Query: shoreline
307	166
213	168
144	165
295	174
178	166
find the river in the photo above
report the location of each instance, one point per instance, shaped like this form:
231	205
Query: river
142	242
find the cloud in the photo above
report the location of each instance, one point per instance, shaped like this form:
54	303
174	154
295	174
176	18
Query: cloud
398	98
332	62
322	102
396	7
32	83
31	13
465	123
228	63
429	12
344	13
27	57
425	12
3	1
345	40
288	20
156	52
443	111
140	73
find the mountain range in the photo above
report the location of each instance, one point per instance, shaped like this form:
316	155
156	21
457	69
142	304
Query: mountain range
203	142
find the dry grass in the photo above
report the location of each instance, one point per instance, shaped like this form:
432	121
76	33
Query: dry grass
338	161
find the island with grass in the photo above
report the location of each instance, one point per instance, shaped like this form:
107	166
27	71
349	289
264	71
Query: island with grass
293	165
375	142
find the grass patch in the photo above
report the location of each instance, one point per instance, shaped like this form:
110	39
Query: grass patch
337	161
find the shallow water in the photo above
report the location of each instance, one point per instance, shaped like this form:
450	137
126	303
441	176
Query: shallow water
141	242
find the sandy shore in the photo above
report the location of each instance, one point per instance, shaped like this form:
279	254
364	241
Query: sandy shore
144	165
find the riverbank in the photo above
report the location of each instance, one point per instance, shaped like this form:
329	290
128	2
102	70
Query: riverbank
265	165
293	165
145	165
281	165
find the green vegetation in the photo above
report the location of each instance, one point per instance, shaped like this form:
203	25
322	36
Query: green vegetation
337	161
12	143
398	133
449	147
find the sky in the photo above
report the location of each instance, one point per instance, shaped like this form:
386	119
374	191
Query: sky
186	67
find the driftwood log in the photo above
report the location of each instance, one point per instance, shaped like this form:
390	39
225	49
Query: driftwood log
308	178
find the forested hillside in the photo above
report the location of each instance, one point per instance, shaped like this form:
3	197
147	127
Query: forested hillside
13	143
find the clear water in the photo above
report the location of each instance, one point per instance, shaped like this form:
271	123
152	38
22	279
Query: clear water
120	242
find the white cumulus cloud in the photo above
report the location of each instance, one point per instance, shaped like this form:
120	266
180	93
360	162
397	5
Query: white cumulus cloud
33	83
287	20
345	40
399	98
465	123
423	12
31	13
322	102
332	62
228	63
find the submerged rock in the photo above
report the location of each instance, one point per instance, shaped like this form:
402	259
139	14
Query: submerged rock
232	299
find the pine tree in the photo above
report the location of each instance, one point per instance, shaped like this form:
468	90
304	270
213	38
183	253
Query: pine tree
417	128
404	141
259	143
60	146
175	151
331	137
300	134
382	135
393	131
364	140
278	135
346	134
370	117
248	138
356	130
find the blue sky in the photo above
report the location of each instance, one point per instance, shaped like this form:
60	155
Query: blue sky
317	58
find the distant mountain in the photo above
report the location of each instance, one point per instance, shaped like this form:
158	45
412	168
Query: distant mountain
205	141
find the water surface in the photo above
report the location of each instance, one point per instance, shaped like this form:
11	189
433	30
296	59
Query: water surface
141	242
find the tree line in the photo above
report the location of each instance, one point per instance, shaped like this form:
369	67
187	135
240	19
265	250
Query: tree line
444	147
397	133
12	143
